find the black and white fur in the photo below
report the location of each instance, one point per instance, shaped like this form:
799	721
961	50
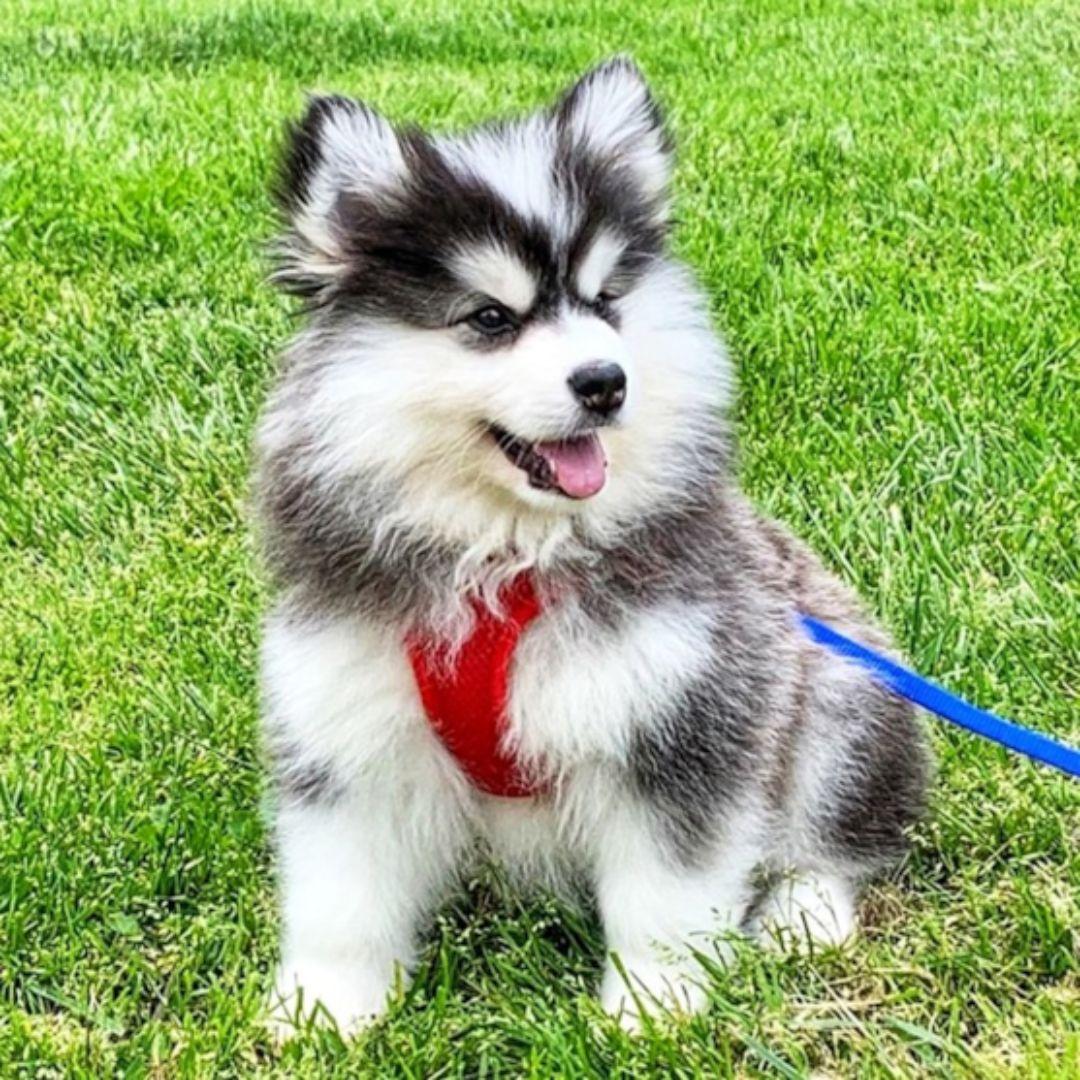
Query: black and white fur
696	742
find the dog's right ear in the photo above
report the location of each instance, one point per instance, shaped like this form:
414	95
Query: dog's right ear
341	155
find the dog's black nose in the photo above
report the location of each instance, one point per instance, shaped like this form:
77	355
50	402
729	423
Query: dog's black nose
600	386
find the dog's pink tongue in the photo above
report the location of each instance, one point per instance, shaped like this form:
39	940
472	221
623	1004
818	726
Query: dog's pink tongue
579	465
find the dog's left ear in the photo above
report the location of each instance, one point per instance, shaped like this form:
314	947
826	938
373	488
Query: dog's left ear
611	112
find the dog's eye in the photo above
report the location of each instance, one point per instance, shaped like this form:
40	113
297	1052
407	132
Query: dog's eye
602	304
493	319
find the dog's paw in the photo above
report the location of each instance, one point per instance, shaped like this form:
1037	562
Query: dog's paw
345	996
646	986
807	909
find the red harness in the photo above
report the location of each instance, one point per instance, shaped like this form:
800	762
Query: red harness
466	702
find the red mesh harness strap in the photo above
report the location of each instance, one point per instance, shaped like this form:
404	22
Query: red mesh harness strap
466	701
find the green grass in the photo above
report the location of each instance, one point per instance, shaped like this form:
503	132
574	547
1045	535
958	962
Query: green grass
884	203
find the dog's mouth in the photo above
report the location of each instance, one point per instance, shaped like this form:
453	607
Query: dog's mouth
575	467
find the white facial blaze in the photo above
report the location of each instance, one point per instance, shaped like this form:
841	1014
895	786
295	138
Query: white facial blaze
492	270
515	163
527	391
598	263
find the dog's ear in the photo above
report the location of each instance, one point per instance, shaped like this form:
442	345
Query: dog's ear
341	155
611	113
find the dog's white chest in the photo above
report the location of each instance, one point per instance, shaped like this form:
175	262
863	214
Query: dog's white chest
578	690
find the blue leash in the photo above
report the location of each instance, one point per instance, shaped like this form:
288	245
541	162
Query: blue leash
938	700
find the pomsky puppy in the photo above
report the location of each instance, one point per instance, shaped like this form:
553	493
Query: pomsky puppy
499	444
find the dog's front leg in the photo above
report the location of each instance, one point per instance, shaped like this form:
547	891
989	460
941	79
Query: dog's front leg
663	912
356	877
368	830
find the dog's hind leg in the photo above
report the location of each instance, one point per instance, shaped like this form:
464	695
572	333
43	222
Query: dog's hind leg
809	905
857	780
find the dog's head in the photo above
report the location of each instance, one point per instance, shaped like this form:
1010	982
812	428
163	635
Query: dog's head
497	331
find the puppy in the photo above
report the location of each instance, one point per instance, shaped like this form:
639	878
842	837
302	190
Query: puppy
525	611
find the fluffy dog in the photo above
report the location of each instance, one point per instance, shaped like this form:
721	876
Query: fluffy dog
504	376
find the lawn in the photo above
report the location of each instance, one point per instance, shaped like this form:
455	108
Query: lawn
884	203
